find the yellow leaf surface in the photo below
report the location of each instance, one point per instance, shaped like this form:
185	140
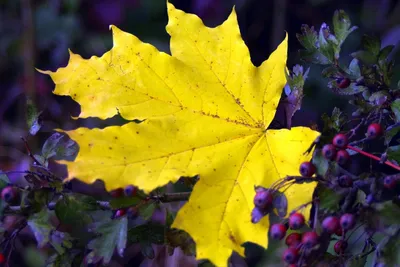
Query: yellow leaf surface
206	109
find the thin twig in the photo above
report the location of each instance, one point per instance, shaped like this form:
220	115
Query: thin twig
394	166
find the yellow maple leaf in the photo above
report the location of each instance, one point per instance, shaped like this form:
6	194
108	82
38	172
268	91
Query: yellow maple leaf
206	109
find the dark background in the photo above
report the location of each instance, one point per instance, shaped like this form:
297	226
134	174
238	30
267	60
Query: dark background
36	33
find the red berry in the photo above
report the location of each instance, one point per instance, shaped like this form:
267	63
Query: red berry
307	169
347	221
309	239
329	151
293	240
340	141
296	221
120	213
389	182
339	232
290	255
343	83
117	193
342	157
278	231
340	246
8	194
331	224
130	191
345	181
263	199
2	258
374	130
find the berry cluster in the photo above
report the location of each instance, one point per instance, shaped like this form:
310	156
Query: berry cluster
303	243
128	191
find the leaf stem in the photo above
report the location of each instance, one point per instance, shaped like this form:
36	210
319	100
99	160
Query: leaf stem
172	197
394	166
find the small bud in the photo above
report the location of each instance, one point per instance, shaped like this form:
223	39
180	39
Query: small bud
389	182
256	215
120	213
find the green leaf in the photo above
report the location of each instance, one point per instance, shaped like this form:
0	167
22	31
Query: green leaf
149	232
33	119
330	72
342	26
389	249
356	262
353	89
354	69
388	212
147	210
395	106
60	241
308	37
113	234
57	260
124	202
41	227
314	57
72	212
393	153
365	57
55	145
379	98
169	218
325	47
371	44
384	53
329	199
320	162
4	180
390	133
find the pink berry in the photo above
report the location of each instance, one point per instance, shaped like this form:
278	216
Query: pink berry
120	213
9	194
342	157
309	239
331	224
117	193
130	191
278	231
389	182
296	221
263	199
293	240
374	130
340	246
340	141
307	169
345	181
343	83
290	255
329	151
347	221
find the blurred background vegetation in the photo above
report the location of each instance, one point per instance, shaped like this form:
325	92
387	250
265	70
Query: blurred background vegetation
38	34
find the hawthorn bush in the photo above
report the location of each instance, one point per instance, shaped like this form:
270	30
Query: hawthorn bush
353	213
